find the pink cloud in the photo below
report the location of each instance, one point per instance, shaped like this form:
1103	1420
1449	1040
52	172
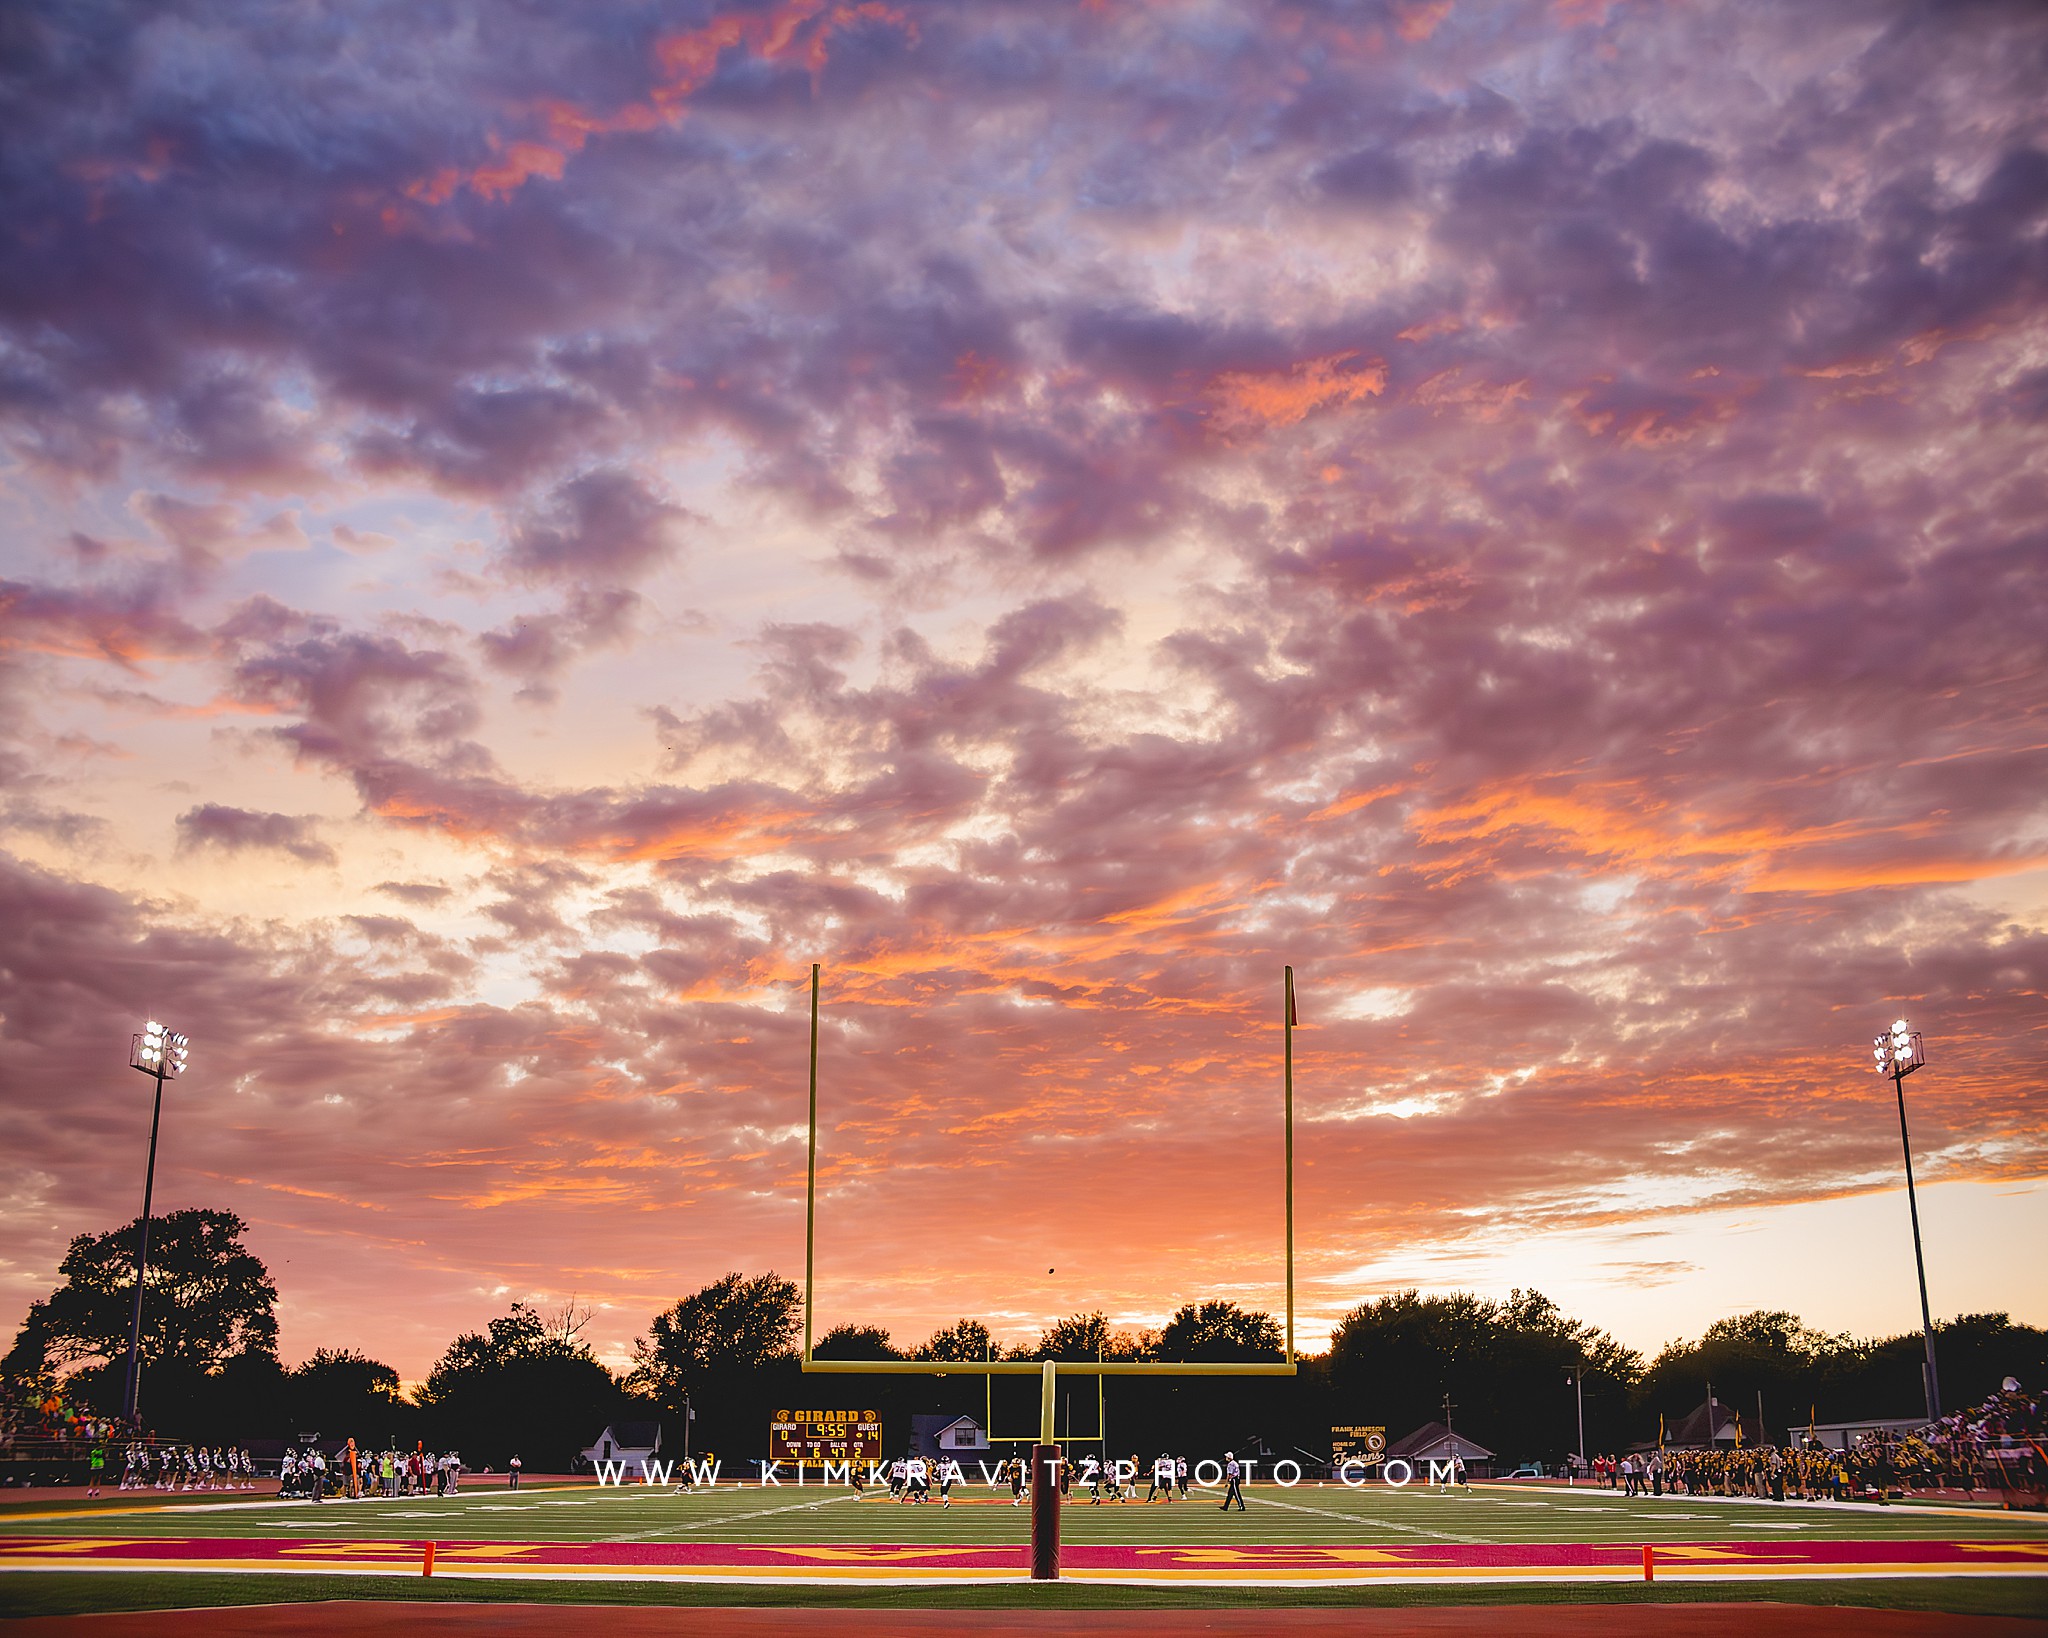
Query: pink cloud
1529	514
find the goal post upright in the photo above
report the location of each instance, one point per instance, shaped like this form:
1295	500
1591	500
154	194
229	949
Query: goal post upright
811	1176
1045	1454
1287	1080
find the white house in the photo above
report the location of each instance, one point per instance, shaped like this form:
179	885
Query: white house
628	1442
938	1437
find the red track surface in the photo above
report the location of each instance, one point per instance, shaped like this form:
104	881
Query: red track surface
1520	1621
1247	1565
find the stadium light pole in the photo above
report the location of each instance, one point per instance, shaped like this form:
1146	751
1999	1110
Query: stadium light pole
1898	1053
158	1053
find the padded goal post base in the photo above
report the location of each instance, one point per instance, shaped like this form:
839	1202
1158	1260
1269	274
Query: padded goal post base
1045	1512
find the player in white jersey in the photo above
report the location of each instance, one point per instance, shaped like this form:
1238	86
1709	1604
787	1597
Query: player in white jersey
1162	1480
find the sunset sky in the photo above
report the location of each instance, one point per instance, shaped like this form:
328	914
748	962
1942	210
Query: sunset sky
526	525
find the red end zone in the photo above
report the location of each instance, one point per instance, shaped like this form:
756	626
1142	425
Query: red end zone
1248	1565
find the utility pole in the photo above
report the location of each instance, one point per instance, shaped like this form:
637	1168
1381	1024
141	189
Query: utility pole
1578	1374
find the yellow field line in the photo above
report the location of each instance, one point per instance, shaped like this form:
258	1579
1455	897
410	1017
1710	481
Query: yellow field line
815	1575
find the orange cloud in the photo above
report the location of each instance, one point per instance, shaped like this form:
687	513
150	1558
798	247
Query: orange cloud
1480	400
1416	20
1429	329
976	378
522	161
1634	828
1800	878
732	838
1621	825
1353	802
799	31
1281	398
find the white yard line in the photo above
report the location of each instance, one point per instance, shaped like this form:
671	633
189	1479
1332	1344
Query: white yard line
1365	1521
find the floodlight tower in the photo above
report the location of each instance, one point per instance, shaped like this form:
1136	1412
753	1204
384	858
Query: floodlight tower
1898	1053
159	1053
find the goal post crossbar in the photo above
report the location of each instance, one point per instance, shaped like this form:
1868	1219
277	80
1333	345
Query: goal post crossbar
1037	1367
1045	1454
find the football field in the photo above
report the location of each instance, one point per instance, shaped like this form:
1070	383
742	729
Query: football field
735	1544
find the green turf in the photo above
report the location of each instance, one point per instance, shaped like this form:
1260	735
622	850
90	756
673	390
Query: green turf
64	1593
124	1498
1307	1515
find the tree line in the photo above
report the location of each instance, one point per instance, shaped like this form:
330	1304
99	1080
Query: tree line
528	1382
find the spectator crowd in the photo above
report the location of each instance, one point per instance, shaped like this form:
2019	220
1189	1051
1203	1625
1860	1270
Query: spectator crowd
1995	1446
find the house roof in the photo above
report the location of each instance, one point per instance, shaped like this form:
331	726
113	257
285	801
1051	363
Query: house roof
635	1435
1433	1435
1694	1427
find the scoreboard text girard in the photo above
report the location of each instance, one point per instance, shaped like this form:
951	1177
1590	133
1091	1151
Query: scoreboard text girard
825	1436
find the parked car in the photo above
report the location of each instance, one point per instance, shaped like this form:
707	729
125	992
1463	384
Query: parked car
1528	1470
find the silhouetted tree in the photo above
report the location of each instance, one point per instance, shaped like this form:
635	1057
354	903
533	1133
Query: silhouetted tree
1220	1331
1767	1352
206	1297
522	1385
963	1339
728	1351
733	1324
342	1390
1504	1365
855	1342
1081	1337
208	1302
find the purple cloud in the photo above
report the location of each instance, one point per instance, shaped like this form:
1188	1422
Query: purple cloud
235	830
1527	513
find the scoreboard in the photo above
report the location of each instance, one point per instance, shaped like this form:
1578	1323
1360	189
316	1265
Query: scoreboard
825	1436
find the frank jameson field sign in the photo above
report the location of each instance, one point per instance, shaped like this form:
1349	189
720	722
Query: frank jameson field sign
1358	1444
825	1436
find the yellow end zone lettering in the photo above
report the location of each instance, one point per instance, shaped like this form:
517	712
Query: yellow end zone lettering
875	1555
493	1549
1288	1555
88	1544
351	1549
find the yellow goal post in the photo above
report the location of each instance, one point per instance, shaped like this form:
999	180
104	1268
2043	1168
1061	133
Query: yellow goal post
1047	1370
